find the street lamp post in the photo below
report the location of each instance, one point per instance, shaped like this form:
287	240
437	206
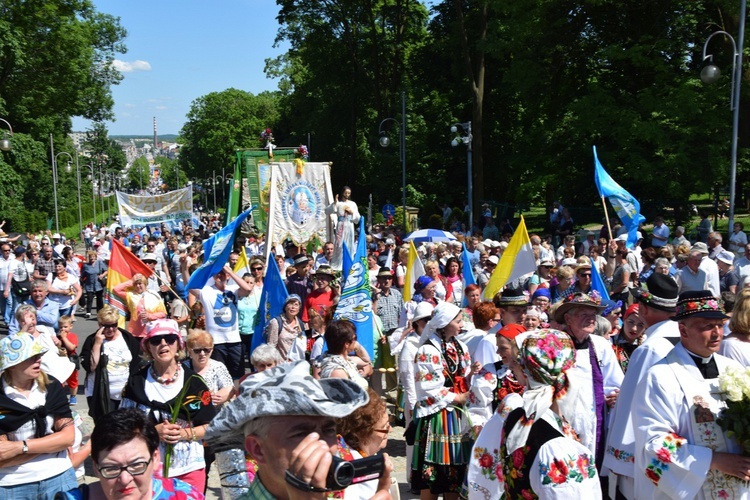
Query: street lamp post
710	74
467	139
5	143
385	142
93	191
68	168
78	183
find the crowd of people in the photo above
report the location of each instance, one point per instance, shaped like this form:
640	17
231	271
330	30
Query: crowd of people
545	390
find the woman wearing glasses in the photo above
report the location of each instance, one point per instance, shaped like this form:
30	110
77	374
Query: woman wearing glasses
118	352
157	390
200	346
125	452
34	461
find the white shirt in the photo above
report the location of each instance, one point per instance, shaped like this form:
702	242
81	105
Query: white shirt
712	274
42	466
5	270
222	320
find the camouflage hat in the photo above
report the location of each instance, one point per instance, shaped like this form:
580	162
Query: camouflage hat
285	390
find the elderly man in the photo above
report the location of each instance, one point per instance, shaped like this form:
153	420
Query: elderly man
300	283
714	245
45	265
710	267
692	277
324	259
596	368
47	311
286	420
155	284
680	449
729	278
660	233
656	305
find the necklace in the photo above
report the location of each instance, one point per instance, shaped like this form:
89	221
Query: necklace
166	381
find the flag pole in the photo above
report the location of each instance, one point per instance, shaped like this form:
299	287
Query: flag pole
606	217
171	289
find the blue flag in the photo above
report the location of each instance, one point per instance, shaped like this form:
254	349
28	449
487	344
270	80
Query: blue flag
271	301
626	206
355	303
468	272
596	281
216	252
346	262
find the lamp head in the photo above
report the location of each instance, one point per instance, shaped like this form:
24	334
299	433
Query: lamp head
454	129
454	142
68	168
384	141
710	74
5	143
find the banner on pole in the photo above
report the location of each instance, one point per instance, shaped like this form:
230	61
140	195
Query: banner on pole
172	206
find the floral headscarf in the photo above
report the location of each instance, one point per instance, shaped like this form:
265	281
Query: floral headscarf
546	356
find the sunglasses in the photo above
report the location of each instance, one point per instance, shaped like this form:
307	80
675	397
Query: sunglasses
169	339
109	325
202	350
256	268
584	275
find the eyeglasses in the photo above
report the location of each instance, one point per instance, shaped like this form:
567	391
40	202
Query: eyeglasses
110	325
169	339
256	269
203	350
384	431
114	471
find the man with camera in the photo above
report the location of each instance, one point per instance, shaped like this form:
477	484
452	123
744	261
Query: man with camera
286	420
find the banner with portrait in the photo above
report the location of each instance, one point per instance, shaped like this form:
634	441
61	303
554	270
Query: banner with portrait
299	194
170	207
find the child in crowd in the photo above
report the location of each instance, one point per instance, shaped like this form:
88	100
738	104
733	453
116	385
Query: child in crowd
70	343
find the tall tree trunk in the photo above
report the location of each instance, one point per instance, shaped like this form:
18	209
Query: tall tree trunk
475	72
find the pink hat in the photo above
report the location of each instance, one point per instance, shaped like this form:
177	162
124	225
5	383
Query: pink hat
162	327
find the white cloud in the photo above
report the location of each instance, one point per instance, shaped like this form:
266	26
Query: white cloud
161	108
129	67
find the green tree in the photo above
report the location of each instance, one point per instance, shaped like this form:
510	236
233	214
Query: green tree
56	62
218	124
139	174
170	173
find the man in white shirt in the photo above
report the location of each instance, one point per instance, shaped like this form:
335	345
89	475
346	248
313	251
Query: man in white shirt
660	234
692	277
711	269
6	260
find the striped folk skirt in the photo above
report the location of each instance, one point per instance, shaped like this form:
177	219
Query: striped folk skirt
442	450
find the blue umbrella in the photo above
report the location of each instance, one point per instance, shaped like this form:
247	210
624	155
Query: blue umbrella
423	235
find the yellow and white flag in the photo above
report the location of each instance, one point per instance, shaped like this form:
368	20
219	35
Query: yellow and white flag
414	270
517	260
242	266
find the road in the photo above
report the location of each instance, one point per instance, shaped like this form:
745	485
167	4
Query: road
396	445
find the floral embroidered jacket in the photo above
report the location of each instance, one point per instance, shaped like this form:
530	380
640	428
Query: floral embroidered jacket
434	387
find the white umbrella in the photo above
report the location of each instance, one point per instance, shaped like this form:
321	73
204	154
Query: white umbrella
423	235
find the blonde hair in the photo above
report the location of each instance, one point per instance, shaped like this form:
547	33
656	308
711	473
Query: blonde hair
564	272
139	278
107	315
199	337
42	380
68	320
739	323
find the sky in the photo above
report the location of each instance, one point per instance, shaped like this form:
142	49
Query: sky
179	51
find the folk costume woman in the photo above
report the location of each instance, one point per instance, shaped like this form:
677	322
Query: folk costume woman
443	438
155	390
541	454
630	337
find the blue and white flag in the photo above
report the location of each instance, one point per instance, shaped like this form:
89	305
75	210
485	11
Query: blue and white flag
216	252
597	283
626	206
271	301
467	271
355	303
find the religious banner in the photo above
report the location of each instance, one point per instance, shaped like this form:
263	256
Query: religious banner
299	195
167	207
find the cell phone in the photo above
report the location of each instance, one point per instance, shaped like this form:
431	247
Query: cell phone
342	473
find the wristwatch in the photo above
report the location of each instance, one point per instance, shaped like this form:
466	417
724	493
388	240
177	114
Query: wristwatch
25	448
